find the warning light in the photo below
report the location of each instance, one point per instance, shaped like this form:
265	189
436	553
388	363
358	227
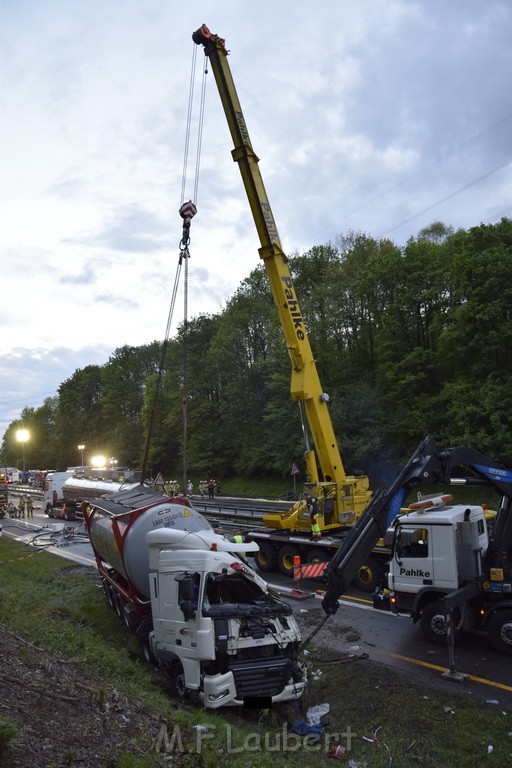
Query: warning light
431	501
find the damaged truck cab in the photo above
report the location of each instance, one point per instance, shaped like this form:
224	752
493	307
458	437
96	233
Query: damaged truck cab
234	640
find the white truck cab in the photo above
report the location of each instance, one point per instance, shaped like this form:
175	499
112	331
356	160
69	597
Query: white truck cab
217	630
437	547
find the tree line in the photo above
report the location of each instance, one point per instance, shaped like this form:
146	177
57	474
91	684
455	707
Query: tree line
409	341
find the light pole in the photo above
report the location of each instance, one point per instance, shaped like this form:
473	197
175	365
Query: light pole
22	436
81	448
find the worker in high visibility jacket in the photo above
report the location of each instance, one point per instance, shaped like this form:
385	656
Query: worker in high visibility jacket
239	539
314	514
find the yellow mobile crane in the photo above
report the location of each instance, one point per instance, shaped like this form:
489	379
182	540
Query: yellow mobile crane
341	498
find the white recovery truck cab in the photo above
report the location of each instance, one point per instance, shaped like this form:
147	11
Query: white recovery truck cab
200	611
437	549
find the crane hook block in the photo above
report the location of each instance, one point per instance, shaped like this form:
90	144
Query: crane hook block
187	213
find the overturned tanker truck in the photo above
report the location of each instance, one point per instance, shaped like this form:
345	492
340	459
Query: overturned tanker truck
200	611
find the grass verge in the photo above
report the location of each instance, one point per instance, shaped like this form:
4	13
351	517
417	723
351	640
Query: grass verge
383	718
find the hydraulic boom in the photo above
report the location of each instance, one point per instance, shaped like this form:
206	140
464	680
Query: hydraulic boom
342	498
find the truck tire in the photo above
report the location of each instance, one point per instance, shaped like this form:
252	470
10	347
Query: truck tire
110	594
126	619
178	681
369	575
49	510
285	559
118	605
266	557
146	650
317	555
433	625
500	631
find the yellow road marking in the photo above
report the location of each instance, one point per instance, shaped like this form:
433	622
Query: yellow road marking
358	599
445	669
321	593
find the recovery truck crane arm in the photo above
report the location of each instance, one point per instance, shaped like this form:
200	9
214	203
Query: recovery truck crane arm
427	465
324	464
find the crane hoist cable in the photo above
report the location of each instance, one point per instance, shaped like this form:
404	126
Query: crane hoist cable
187	212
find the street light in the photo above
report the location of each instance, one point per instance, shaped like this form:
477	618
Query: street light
22	436
81	448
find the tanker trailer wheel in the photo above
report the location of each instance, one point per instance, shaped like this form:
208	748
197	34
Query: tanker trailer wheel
368	575
285	559
118	604
266	557
125	617
500	632
109	593
433	624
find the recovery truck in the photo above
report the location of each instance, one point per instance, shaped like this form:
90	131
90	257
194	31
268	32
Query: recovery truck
189	595
447	567
341	498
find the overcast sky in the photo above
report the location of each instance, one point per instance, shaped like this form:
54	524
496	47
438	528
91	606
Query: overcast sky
378	116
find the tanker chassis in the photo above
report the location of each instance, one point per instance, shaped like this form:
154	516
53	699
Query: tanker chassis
199	610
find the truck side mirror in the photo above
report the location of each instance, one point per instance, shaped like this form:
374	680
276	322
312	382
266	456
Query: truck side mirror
188	595
187	588
188	609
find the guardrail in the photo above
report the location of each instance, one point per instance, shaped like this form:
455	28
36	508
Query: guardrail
224	508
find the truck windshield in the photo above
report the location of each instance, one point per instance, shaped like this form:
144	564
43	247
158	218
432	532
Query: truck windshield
237	595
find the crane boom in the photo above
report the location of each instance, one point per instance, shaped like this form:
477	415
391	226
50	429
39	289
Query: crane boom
324	465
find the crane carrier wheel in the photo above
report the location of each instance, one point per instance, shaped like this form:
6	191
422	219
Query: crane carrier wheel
368	575
266	557
286	557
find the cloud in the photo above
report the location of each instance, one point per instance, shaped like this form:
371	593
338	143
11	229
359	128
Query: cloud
30	375
377	116
118	301
131	229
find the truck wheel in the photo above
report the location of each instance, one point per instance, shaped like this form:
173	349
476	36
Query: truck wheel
110	594
500	632
285	559
316	556
178	681
49	510
368	575
433	624
126	619
266	557
146	650
118	605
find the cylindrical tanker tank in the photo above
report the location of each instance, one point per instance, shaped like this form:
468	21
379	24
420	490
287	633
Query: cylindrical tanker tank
119	538
81	489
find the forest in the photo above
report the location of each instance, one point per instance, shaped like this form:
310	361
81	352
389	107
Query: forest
409	341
